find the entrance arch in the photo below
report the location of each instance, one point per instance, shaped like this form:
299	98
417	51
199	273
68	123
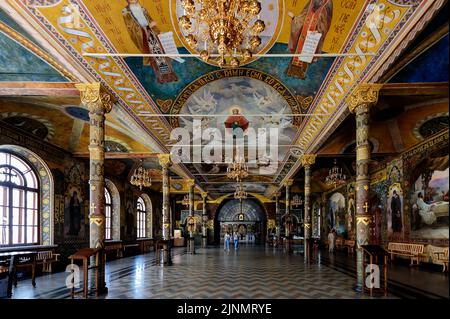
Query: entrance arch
248	218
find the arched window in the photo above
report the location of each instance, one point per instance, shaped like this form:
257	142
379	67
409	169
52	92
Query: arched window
141	220
19	202
108	215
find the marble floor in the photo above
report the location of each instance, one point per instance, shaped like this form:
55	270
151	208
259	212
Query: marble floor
250	272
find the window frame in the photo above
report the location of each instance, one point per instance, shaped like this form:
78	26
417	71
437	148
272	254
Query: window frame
10	186
141	220
108	225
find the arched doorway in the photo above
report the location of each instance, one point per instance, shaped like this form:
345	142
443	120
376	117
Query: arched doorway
247	217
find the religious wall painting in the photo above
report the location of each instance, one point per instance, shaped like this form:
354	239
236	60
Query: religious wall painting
395	216
240	98
130	213
32	124
376	211
75	201
74	211
145	34
430	198
351	210
313	22
336	214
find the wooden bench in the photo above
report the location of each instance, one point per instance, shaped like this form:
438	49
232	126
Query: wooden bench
350	244
442	257
406	249
146	245
114	246
339	243
130	248
46	258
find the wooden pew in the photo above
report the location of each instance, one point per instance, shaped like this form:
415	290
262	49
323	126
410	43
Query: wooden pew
146	245
406	249
114	246
46	258
442	257
350	244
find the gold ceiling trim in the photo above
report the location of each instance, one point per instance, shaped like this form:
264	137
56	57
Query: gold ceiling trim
33	48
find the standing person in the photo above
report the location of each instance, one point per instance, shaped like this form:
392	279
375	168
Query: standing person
331	240
236	240
226	238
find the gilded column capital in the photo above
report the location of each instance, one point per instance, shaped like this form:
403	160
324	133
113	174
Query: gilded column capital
308	159
365	94
95	97
190	182
277	194
288	182
164	160
204	195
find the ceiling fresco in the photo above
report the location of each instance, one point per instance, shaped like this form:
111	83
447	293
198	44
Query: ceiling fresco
18	64
315	92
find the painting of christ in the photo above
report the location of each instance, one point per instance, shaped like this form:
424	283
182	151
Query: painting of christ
236	120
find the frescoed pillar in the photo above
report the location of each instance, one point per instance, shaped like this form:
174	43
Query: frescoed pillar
360	101
99	103
307	161
277	215
204	221
165	162
288	220
191	219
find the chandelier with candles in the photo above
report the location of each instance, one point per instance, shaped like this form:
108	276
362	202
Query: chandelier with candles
296	201
141	178
335	176
228	29
240	193
238	169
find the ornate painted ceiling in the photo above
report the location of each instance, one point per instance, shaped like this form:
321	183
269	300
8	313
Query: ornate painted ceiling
306	103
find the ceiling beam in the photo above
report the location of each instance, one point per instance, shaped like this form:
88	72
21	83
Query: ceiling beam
408	89
38	89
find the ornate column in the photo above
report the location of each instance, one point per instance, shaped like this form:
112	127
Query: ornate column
191	219
362	98
307	161
277	215
204	221
288	217
164	161
98	102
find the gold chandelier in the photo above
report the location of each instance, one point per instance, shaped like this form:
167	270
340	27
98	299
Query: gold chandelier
240	193
238	169
227	28
296	201
141	178
335	176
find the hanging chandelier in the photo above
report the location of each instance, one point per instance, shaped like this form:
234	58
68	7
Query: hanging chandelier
238	169
296	201
141	178
228	29
335	176
240	193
